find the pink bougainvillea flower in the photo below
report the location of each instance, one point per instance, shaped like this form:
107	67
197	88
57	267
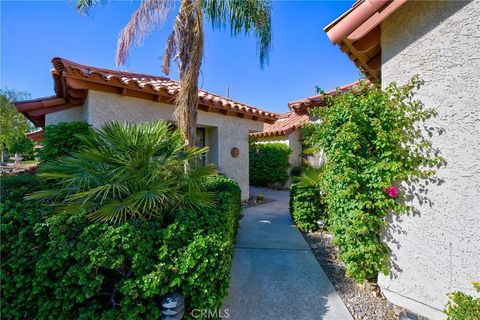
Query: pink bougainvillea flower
391	191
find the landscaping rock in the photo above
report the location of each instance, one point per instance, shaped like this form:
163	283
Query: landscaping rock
363	301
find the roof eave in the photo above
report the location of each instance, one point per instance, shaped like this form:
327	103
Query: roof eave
357	33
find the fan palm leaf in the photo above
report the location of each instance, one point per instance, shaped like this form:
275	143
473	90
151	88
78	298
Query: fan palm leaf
128	171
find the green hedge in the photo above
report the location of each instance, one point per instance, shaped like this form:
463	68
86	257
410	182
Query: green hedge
306	206
269	164
62	139
64	266
23	242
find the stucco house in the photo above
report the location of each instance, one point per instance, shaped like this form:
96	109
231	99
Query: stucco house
287	128
95	95
436	251
284	130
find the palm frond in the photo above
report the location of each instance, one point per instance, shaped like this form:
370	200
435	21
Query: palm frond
127	171
150	14
84	6
244	16
170	50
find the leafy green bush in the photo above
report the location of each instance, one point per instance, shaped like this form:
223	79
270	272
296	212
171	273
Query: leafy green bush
268	164
69	267
10	183
463	306
372	142
127	171
62	139
306	201
24	239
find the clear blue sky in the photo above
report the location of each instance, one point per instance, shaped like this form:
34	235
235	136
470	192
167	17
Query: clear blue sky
302	57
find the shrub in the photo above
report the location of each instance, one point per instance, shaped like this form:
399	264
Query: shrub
372	142
463	306
260	197
306	201
268	164
24	238
73	268
62	139
10	183
127	171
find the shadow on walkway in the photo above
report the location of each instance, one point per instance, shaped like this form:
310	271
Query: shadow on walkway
275	275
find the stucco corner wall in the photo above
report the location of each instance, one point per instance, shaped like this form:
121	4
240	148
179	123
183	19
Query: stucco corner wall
296	145
223	132
68	115
437	251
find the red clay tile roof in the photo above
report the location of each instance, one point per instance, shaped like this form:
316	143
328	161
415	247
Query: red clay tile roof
290	121
73	80
36	136
315	101
357	33
286	124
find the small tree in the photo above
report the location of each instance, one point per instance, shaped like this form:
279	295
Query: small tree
373	141
20	144
13	125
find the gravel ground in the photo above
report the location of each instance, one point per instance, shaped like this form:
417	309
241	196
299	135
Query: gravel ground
252	202
363	301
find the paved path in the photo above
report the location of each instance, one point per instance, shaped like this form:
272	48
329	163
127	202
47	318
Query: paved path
274	274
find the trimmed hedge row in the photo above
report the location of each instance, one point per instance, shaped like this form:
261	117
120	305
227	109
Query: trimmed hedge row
64	266
306	206
269	164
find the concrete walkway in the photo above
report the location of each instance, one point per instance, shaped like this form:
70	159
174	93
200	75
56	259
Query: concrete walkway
274	274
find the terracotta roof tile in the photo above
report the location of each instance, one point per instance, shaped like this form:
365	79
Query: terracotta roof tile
36	136
155	83
72	81
318	100
286	124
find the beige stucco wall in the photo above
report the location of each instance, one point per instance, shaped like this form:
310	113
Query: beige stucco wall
438	250
222	134
72	114
296	145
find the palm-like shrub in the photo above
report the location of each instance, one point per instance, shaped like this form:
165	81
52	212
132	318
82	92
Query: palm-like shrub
306	199
128	171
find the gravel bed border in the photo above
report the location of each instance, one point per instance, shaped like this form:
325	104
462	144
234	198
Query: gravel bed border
363	301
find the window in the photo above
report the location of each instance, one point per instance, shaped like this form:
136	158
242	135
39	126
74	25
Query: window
200	143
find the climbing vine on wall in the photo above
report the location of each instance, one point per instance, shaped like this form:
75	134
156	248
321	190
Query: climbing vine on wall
375	145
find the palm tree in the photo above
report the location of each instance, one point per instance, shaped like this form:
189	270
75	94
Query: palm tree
128	171
186	40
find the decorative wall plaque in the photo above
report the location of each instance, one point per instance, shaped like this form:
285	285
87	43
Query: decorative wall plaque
235	152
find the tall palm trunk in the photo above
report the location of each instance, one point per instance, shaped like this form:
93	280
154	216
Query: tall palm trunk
185	43
190	39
